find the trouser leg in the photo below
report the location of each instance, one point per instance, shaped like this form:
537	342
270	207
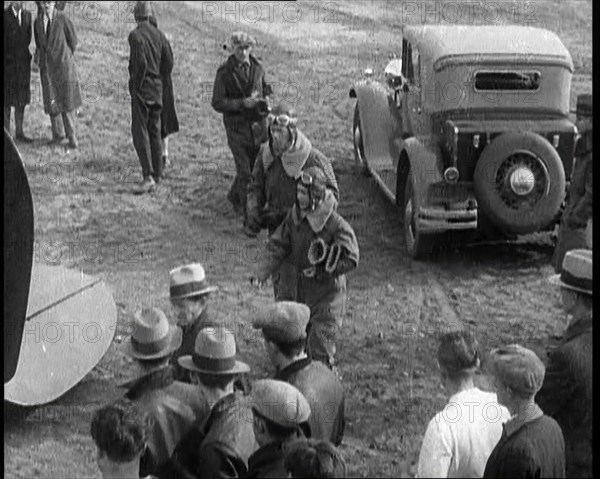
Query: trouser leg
165	146
19	117
568	239
139	132
155	141
68	120
55	123
7	118
320	344
241	143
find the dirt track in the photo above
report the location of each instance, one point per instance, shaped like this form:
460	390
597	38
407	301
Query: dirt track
397	307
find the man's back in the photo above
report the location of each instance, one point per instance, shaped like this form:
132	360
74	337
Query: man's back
325	394
150	58
536	449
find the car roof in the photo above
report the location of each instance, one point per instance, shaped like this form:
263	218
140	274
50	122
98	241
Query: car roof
442	41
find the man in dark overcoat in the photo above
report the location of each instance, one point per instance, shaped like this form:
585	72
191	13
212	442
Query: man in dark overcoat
150	60
17	66
575	229
566	394
239	94
56	41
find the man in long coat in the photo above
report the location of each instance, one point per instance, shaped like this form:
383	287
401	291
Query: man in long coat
17	66
150	60
238	94
567	392
56	41
575	228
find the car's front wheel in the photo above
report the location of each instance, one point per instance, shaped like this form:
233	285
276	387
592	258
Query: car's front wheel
357	139
419	245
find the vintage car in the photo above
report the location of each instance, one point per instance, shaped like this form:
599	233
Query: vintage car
469	130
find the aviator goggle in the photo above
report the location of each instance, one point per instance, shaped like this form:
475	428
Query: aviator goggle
306	179
281	120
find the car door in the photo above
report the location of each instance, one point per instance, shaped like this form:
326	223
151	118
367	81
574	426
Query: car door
412	102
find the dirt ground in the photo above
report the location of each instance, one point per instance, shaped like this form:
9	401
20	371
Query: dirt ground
87	218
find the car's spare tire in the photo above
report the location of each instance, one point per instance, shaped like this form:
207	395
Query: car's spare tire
519	182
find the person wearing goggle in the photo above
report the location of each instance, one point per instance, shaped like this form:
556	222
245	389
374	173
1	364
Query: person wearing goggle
272	191
321	246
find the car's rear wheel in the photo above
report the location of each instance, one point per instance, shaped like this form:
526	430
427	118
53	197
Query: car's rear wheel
519	181
419	245
357	139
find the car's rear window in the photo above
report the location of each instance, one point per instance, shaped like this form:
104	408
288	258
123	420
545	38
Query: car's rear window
507	80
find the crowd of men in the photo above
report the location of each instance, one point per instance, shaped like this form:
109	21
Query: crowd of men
190	411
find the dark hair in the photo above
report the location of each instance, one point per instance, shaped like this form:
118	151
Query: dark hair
289	350
315	459
458	352
120	430
152	20
216	381
277	431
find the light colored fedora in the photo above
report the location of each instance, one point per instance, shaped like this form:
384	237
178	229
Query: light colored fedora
189	280
214	353
153	337
576	272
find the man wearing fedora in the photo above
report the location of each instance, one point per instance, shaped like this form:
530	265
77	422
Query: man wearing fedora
239	94
576	226
173	406
280	415
284	332
189	292
566	394
221	445
532	443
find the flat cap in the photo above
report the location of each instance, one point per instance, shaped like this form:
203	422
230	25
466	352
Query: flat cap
518	368
279	402
242	38
284	322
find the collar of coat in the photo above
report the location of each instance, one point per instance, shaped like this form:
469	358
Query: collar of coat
285	373
159	379
268	455
294	158
578	327
234	63
516	422
317	218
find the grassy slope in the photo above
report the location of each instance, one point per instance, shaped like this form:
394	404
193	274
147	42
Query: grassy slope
84	199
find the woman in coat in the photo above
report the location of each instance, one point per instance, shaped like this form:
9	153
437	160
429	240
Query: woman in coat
169	123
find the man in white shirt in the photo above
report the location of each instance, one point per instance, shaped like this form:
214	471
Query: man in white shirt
460	438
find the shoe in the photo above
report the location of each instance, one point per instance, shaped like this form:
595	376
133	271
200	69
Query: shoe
146	186
56	139
23	139
249	232
73	144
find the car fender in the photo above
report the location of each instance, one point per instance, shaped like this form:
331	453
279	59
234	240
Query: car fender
376	121
424	157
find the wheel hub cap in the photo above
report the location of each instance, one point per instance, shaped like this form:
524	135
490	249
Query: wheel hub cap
522	180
